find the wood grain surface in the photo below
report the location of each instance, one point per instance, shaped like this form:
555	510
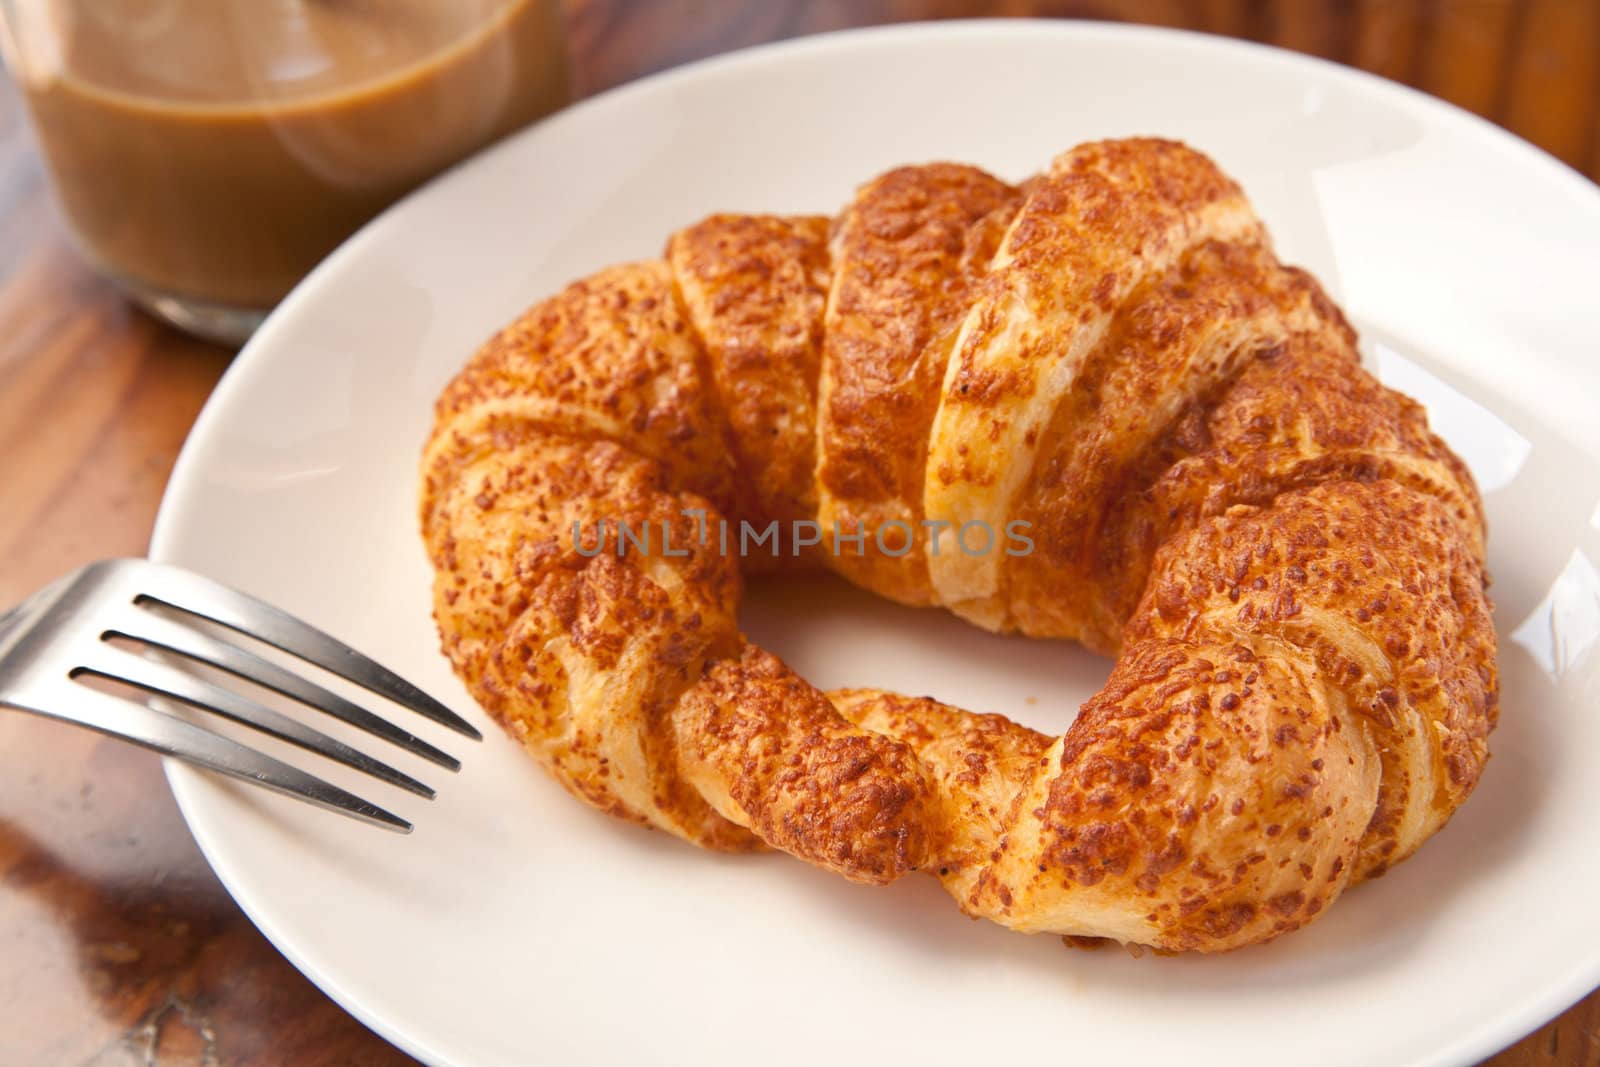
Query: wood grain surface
117	944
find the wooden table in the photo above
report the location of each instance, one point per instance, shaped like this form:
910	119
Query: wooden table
117	944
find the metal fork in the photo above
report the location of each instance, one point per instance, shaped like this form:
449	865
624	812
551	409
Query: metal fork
64	633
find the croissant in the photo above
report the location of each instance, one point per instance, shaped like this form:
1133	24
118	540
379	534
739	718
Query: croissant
1106	363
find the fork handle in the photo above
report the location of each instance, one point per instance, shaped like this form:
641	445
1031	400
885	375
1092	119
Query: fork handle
13	618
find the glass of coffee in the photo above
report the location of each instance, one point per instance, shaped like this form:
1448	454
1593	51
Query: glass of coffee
207	153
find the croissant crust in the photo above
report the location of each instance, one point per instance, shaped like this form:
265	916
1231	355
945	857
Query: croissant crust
1287	565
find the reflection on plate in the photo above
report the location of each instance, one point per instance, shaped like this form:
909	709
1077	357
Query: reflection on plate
515	925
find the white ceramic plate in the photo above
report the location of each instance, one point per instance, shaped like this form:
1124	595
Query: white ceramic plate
517	926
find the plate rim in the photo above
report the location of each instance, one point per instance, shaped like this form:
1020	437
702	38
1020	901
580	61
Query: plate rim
1487	1038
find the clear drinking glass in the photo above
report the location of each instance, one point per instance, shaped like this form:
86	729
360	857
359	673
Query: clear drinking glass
207	153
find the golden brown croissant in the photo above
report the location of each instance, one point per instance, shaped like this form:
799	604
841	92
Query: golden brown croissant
1107	363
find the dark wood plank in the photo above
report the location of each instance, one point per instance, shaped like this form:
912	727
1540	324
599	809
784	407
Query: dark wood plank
1555	67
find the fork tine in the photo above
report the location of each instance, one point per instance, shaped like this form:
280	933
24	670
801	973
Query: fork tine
151	629
172	736
116	665
202	597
